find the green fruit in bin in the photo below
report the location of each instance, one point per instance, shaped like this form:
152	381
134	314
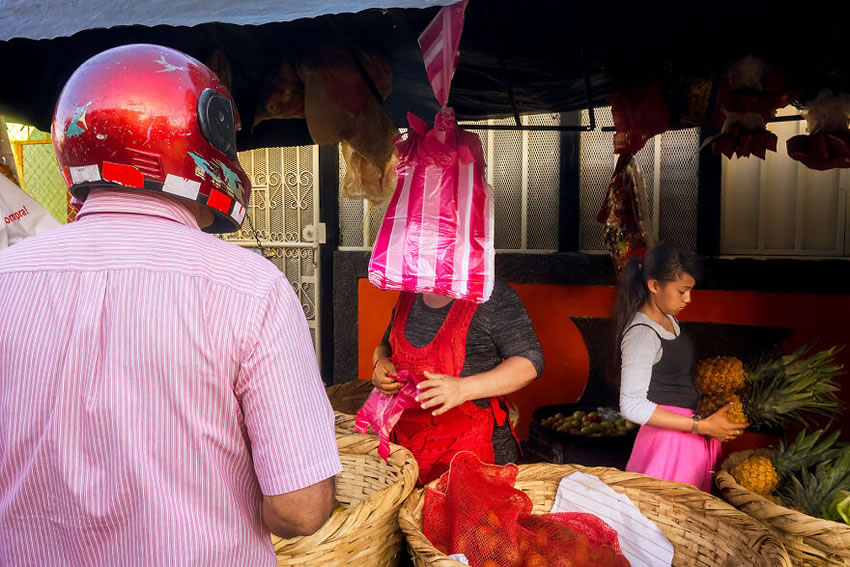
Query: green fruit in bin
578	414
607	425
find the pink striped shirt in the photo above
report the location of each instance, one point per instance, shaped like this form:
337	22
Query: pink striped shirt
155	381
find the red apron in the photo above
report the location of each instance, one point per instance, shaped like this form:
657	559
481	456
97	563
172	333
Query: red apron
434	440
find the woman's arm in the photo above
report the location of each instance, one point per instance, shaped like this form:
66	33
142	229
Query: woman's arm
640	349
446	392
383	368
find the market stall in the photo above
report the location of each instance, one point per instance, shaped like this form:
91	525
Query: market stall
352	75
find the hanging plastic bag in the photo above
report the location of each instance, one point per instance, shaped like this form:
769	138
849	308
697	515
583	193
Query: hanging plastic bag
437	234
827	145
363	180
22	215
382	411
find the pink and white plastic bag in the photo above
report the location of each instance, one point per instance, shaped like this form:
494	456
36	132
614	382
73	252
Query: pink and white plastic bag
437	234
382	411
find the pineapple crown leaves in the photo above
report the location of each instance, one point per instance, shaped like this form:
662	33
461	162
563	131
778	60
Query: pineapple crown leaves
813	491
806	450
789	386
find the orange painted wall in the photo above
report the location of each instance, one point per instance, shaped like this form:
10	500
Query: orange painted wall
810	317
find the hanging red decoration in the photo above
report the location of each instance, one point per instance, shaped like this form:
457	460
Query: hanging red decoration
827	145
749	99
624	213
639	114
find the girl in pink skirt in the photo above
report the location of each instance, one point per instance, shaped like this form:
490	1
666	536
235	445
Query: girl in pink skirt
657	387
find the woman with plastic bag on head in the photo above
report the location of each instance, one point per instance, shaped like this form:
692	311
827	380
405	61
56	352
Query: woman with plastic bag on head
464	357
457	341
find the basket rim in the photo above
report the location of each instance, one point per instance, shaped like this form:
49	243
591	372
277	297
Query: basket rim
376	506
698	502
779	517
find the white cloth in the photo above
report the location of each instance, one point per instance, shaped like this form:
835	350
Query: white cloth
642	542
640	349
22	215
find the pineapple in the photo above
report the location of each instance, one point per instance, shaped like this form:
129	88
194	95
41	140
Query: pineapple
763	475
813	492
757	474
720	375
790	386
711	404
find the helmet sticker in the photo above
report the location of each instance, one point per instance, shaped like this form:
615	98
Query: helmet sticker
230	184
167	67
84	174
77	125
181	187
219	201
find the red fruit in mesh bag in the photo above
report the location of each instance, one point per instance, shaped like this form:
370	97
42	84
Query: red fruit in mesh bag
535	560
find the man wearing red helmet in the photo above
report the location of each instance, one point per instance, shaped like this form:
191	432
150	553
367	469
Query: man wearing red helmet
160	401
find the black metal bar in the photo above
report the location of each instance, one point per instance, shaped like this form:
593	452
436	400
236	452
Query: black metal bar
569	203
678	126
589	128
589	92
495	29
329	210
531	128
708	201
793	118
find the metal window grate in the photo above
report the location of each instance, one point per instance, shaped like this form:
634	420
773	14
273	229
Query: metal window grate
284	210
524	170
38	171
670	165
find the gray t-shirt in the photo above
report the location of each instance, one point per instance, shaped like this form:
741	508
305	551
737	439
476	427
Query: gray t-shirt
499	329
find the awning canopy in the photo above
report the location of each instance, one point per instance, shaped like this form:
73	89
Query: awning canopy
30	19
544	56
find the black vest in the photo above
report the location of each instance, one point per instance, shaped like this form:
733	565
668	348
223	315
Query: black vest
672	382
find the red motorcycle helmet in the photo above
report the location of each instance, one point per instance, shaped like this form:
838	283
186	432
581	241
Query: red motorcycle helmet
152	118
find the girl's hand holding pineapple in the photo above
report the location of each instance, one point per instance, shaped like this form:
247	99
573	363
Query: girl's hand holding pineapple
721	425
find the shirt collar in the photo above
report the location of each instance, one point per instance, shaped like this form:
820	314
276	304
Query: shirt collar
138	203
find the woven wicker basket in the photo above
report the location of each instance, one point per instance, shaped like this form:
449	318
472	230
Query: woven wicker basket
704	531
366	533
809	540
349	397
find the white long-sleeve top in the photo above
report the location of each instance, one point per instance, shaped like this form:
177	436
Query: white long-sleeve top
640	349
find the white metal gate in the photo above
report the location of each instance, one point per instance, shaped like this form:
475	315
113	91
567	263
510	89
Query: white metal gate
284	210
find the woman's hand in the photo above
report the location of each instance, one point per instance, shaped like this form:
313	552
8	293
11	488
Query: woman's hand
717	425
441	391
382	377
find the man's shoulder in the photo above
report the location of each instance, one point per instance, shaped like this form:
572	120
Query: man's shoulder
229	262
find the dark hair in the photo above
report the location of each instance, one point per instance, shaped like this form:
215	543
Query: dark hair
663	263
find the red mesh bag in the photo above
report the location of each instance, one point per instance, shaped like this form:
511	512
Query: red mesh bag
475	510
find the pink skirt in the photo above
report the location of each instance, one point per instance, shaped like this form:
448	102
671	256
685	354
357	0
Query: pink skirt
675	455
